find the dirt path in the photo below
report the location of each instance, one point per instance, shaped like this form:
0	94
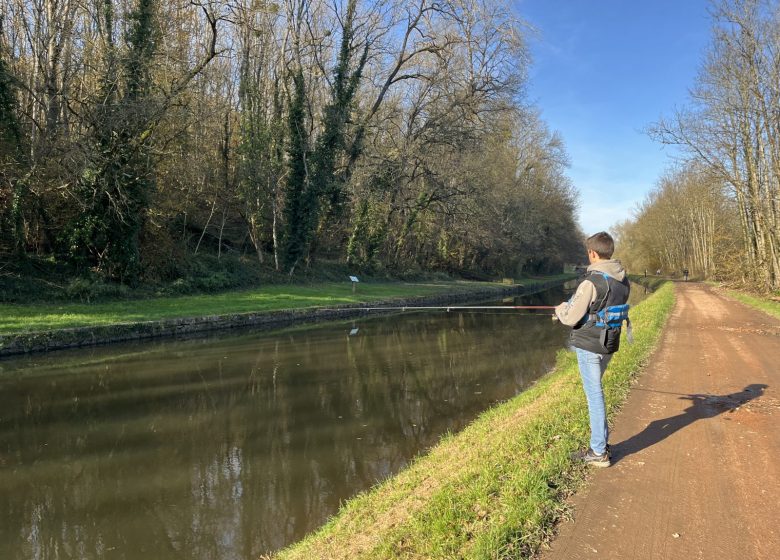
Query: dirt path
696	450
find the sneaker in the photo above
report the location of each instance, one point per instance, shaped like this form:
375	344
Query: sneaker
589	457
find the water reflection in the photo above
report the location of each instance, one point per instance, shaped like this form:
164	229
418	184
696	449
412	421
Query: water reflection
234	447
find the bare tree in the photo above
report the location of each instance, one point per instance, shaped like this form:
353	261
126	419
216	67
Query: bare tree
732	125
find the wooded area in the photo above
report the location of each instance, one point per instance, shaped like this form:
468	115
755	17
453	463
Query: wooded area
719	214
137	134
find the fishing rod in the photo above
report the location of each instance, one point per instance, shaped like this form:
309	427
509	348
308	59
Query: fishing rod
455	307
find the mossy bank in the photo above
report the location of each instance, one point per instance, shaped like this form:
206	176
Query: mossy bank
497	489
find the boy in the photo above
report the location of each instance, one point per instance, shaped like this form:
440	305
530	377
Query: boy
594	340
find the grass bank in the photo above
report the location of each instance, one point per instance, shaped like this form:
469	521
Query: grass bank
759	302
496	489
36	317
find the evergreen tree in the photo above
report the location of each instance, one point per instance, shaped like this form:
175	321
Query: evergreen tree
331	143
314	181
11	183
301	204
116	185
9	124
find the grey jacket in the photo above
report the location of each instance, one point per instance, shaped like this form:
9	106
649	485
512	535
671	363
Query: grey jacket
571	312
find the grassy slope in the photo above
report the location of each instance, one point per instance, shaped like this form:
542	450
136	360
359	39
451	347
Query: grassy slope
496	489
759	302
42	316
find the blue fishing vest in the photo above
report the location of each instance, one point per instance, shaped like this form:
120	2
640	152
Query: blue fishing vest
599	330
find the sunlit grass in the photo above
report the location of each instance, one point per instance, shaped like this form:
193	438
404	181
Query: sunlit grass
496	489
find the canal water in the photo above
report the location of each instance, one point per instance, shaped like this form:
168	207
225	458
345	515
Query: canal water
237	445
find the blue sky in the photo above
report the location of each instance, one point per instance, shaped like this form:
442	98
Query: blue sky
603	70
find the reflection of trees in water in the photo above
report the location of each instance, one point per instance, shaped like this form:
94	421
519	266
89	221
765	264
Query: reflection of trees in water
232	449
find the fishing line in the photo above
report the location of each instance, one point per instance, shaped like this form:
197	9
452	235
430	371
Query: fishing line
537	310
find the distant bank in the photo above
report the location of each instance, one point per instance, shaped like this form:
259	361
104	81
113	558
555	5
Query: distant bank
45	327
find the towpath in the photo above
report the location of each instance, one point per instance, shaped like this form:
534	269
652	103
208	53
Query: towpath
696	449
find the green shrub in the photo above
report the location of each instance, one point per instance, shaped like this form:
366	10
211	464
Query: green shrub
87	289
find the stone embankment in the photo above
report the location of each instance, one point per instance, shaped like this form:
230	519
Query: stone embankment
43	341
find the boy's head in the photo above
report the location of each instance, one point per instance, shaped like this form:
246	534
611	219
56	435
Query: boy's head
602	244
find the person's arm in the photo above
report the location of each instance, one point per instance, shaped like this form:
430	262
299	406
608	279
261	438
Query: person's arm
571	312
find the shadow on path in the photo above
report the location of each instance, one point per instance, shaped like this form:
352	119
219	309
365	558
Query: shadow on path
702	406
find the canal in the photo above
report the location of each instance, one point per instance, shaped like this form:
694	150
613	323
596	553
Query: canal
234	446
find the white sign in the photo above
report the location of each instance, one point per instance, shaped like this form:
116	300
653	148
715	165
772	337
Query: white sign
354	278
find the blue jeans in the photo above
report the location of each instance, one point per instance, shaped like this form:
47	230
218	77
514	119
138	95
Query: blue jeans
592	367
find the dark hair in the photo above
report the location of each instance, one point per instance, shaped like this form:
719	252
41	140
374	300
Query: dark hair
602	243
